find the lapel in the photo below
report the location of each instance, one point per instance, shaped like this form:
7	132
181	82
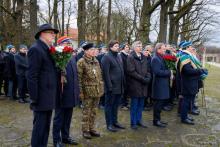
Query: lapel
118	60
73	62
161	60
45	48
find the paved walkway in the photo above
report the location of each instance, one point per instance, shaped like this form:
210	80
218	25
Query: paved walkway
214	64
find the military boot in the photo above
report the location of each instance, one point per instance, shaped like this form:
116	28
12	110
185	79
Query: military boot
87	135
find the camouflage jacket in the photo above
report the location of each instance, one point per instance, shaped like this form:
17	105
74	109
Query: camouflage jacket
90	77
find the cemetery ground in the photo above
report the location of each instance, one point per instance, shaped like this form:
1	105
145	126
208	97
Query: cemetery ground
16	124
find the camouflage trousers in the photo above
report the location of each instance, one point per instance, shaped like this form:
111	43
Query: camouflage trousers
89	109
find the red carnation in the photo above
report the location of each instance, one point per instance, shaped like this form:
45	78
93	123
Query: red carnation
52	50
67	49
169	58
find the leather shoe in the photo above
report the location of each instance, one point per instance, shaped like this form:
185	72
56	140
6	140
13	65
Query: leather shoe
190	118
159	124
167	108
58	144
187	121
141	125
195	112
112	129
70	141
21	101
134	127
94	133
163	122
87	135
119	126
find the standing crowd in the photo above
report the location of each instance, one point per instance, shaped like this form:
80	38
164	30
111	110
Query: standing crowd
118	76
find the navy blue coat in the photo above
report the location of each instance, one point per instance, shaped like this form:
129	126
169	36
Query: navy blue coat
9	70
41	77
113	73
70	95
21	64
190	80
161	76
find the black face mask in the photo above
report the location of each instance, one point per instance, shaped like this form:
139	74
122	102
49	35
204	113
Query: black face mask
23	54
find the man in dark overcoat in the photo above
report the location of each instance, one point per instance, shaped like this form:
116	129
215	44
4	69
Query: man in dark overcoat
21	72
42	84
138	79
160	83
113	75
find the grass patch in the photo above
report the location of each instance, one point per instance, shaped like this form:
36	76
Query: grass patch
212	83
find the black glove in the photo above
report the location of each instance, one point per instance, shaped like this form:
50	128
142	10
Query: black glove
204	71
146	80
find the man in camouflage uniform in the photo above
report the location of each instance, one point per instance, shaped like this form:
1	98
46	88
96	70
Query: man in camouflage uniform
91	89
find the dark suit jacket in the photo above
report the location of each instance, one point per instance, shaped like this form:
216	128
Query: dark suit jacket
41	77
21	64
113	73
161	76
70	95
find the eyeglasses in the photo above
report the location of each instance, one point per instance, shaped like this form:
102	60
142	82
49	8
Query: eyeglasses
49	32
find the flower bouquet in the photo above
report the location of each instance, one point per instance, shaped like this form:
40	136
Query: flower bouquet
170	61
61	56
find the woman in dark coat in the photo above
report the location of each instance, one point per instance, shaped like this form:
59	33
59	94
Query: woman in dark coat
138	80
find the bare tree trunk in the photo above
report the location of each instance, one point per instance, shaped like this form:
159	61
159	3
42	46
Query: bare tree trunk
33	18
109	20
18	21
98	22
68	20
146	11
49	11
55	18
163	22
63	3
1	23
144	28
81	21
172	27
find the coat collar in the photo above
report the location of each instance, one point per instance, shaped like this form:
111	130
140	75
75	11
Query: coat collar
44	46
90	60
133	53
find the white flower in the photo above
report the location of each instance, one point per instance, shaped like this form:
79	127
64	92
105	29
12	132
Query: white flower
59	49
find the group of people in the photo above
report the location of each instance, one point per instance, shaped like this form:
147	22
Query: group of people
13	69
117	76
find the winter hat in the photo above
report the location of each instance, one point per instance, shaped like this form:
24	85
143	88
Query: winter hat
181	43
22	46
186	44
63	39
10	46
45	27
82	43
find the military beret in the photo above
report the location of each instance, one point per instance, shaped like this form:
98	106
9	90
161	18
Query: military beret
88	46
